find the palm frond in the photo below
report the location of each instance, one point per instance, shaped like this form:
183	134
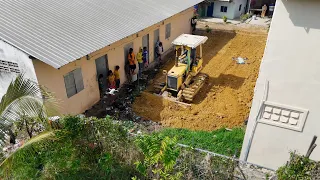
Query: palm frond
18	88
24	98
44	137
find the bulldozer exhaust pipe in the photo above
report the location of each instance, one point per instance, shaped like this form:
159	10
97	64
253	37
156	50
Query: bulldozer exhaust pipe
176	59
176	62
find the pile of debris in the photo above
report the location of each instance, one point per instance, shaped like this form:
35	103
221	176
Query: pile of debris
118	105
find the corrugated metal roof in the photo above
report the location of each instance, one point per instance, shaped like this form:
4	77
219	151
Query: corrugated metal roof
58	32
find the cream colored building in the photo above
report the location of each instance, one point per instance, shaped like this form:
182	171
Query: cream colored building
285	112
74	80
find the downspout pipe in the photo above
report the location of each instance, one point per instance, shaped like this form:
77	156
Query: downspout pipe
176	59
248	6
265	96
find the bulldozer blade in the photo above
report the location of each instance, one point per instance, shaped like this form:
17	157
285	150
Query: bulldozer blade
173	100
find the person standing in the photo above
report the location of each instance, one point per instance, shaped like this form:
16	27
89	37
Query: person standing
159	51
140	61
132	61
101	84
193	23
111	79
117	76
145	58
264	10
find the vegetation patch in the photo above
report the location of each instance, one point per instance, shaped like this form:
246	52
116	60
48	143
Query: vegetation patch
299	167
220	141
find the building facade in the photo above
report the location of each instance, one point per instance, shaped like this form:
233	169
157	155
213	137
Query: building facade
285	112
70	47
13	62
220	8
109	57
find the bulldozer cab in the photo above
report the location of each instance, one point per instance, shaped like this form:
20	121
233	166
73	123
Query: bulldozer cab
186	46
187	64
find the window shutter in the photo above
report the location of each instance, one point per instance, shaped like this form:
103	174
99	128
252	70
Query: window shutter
78	79
168	30
70	84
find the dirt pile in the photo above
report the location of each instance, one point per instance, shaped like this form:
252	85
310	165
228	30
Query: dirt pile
225	99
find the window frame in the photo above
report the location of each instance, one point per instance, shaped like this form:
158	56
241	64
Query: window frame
73	79
168	31
224	9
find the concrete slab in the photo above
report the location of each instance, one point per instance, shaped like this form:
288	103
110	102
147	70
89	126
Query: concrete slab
258	21
220	20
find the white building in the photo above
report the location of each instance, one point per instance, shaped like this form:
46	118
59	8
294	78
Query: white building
13	62
285	111
232	9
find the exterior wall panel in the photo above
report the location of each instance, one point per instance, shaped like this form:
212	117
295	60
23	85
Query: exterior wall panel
53	78
291	66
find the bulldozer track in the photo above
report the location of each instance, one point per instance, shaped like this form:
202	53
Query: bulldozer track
197	82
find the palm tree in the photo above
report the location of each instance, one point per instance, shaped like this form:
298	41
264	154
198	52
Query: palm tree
24	99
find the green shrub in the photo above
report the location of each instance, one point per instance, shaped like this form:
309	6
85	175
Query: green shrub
220	141
85	148
225	19
299	167
160	156
244	17
208	29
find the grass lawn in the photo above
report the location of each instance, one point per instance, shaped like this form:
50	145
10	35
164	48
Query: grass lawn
220	141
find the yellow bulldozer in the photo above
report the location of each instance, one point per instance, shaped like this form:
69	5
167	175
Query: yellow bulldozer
183	80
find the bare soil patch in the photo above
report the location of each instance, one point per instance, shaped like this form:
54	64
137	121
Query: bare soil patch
225	99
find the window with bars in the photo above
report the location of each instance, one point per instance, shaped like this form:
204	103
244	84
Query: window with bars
73	82
168	31
7	66
224	9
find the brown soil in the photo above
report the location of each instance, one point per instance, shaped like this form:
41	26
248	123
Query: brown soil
225	99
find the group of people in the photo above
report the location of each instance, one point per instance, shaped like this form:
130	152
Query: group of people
142	58
113	79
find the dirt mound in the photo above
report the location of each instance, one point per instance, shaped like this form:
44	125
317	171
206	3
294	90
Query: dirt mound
225	99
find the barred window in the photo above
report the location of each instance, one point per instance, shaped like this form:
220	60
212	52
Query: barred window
168	31
7	66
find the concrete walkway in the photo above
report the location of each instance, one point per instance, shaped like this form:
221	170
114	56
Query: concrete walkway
220	20
264	22
259	21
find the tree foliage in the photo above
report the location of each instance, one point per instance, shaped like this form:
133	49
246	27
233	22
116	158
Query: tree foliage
160	156
299	167
83	149
24	99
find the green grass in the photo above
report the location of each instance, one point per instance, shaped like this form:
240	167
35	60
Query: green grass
220	141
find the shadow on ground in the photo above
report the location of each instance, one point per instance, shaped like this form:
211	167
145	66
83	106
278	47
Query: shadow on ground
224	80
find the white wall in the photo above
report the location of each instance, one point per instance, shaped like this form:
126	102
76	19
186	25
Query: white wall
291	65
238	13
233	9
25	64
217	7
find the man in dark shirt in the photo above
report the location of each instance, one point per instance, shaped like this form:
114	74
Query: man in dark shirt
193	23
